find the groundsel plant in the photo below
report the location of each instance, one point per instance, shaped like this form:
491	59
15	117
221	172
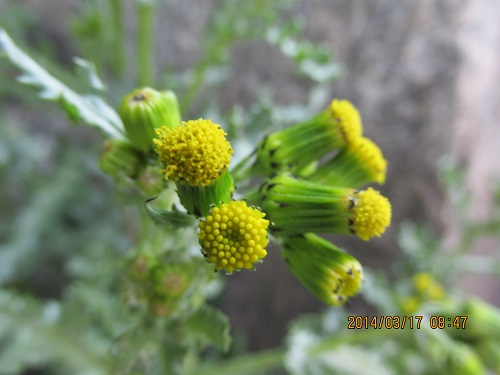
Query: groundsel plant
298	183
312	177
233	234
146	309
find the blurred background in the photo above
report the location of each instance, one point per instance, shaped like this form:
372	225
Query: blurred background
425	76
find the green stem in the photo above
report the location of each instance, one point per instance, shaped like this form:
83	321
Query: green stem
118	62
202	66
245	364
145	12
273	358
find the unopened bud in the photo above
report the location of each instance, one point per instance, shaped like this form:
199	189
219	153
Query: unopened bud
144	110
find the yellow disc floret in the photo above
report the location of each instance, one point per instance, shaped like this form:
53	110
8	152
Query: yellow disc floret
196	152
372	158
349	278
371	214
426	286
348	117
234	236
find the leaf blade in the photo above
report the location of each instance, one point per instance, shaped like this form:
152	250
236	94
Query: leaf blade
88	108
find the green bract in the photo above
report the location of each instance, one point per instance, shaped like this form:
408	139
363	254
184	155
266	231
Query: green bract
329	273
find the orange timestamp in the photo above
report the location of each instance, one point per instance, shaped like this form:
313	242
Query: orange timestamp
402	322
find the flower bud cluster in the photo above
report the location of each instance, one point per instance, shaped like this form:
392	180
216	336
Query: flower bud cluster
195	156
159	285
424	289
312	175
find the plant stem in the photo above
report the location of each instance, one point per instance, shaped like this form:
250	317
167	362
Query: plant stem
145	13
245	364
118	61
210	56
273	358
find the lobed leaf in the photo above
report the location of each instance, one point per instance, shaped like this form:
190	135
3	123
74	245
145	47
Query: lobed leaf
210	325
88	108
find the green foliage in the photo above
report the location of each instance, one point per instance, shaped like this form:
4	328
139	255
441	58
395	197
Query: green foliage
269	21
26	328
89	108
210	325
173	217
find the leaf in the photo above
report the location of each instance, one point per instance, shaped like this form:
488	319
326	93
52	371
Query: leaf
174	218
30	333
210	325
88	74
88	108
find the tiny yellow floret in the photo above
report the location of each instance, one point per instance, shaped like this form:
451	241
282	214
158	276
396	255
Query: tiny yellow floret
348	117
371	156
371	214
410	305
234	236
426	286
345	281
422	281
196	152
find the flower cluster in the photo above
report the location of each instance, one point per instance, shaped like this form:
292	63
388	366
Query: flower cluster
312	175
159	285
424	288
313	172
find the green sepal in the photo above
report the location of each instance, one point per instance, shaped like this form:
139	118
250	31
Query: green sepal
296	206
198	200
296	147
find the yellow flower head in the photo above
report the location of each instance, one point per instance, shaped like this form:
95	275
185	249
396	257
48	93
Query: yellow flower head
234	236
348	117
196	152
371	156
371	214
360	162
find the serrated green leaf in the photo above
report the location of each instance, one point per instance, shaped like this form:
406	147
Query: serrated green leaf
90	109
211	326
88	75
172	218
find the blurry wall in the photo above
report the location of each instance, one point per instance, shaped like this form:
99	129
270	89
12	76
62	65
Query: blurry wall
424	74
